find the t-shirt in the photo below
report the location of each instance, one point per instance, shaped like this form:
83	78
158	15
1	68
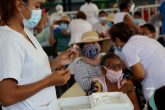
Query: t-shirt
151	55
77	28
91	11
25	63
84	73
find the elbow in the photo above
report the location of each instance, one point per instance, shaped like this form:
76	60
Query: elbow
6	101
139	78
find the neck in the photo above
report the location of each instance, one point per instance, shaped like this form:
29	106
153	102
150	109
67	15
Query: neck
16	24
93	62
125	10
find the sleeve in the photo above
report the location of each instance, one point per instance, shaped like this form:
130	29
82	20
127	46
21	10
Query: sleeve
130	56
82	78
11	59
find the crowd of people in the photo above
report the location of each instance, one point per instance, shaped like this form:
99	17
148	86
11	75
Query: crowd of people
105	52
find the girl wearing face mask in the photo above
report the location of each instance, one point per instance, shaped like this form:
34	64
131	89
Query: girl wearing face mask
113	79
26	79
87	67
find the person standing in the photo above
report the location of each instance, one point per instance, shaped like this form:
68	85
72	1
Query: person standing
91	11
26	79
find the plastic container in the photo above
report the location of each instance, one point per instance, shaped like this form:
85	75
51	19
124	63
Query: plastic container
110	101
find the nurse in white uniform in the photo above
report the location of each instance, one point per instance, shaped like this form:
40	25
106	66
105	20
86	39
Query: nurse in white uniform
26	79
144	56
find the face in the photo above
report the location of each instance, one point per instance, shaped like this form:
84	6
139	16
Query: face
114	64
26	8
148	33
119	43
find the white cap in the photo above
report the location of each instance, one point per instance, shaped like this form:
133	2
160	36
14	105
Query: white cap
59	7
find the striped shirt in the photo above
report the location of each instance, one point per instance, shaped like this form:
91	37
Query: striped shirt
84	73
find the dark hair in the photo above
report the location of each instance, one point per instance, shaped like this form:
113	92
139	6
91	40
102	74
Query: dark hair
102	12
121	31
81	14
137	13
108	56
88	1
159	97
124	4
7	9
150	27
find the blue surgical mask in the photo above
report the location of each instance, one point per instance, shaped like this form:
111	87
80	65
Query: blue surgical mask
110	24
137	21
64	26
91	51
34	20
102	19
152	103
119	49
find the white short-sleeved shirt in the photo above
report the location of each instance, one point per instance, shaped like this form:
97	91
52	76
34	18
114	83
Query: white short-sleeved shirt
119	17
151	55
20	60
91	10
77	28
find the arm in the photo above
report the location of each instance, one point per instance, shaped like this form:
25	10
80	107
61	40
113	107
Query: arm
129	21
130	90
138	71
11	92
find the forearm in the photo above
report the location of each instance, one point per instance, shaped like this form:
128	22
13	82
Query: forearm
55	63
12	93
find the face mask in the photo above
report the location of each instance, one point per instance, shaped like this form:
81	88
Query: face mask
109	24
137	21
91	51
63	26
113	76
102	19
34	20
119	49
132	7
59	11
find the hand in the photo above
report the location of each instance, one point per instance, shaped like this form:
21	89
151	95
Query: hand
58	78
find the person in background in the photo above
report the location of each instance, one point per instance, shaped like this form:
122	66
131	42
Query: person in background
56	16
143	55
101	27
78	27
156	101
137	18
26	79
148	30
88	65
113	79
162	12
91	11
42	31
126	6
62	37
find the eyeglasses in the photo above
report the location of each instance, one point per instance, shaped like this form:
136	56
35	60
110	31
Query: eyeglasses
115	66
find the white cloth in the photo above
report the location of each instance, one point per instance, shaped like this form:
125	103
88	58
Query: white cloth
119	17
91	10
77	28
20	60
151	55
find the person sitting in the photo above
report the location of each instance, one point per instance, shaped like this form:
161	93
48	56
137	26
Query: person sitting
61	36
148	30
101	27
87	66
113	79
137	18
